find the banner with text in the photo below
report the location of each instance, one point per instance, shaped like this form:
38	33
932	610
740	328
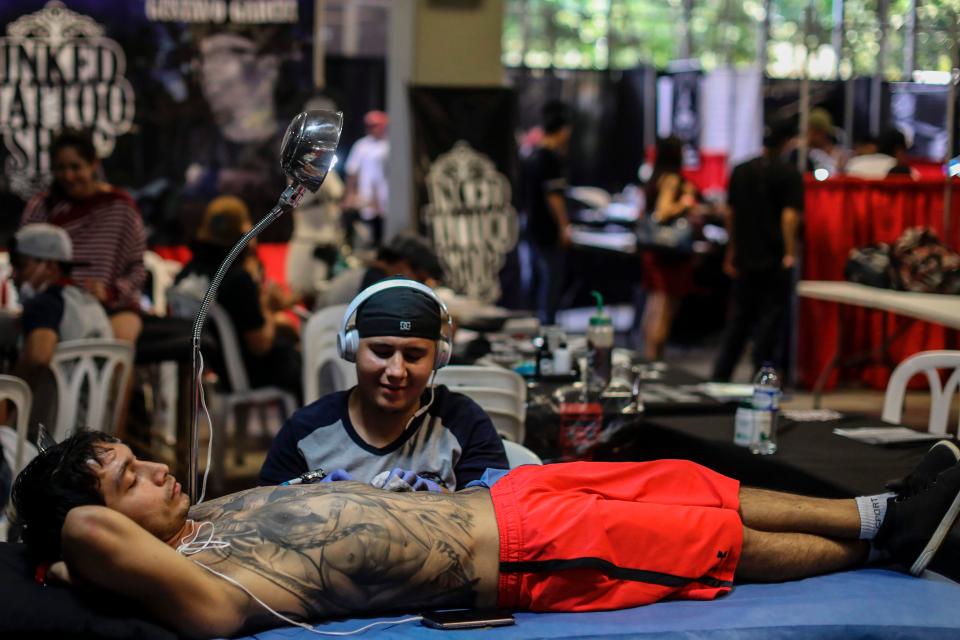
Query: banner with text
464	162
186	99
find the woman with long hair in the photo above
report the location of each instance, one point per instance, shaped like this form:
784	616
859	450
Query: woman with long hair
666	277
104	224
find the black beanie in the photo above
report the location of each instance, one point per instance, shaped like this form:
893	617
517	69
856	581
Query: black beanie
399	311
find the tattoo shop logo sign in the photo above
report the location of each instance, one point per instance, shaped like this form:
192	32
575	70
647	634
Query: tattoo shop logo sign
57	69
470	220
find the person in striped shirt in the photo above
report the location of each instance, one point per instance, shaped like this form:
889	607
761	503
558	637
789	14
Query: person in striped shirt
104	224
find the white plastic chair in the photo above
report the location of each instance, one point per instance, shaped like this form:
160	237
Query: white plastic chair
162	272
242	396
17	391
928	363
103	368
323	369
456	376
508	425
518	455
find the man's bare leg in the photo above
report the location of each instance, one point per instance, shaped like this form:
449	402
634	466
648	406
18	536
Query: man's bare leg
775	557
773	511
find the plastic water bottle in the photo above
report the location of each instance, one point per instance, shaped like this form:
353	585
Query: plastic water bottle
600	339
766	407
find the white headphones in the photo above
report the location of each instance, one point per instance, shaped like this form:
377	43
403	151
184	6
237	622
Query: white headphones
348	339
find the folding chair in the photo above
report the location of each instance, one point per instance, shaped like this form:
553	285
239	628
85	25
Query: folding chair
928	363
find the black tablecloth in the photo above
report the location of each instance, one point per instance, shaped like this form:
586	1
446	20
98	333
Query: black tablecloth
672	393
810	460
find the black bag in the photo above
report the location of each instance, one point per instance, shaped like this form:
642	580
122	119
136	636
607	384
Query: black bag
923	264
871	266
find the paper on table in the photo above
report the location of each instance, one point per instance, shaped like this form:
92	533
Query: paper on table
726	390
888	435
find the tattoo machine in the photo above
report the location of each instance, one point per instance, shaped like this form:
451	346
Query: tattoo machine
306	478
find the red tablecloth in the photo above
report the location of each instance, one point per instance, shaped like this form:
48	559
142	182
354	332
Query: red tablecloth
844	213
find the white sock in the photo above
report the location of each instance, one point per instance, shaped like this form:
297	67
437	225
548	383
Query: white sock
872	510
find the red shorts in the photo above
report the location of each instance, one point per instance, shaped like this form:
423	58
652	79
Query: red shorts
587	536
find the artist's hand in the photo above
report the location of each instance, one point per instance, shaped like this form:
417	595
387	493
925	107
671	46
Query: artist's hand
336	475
788	262
399	480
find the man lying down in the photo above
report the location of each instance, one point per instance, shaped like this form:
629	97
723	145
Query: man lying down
566	537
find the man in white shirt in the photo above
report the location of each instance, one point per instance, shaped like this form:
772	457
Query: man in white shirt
367	174
891	158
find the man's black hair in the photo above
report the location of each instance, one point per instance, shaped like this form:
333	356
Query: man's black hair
77	139
891	141
415	250
55	482
776	134
555	115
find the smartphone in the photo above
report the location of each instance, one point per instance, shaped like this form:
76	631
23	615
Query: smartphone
467	619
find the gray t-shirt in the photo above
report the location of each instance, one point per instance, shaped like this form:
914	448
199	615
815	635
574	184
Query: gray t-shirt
452	441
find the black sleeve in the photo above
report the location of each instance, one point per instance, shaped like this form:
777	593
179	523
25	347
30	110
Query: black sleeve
552	176
481	446
42	312
284	461
733	190
793	189
240	297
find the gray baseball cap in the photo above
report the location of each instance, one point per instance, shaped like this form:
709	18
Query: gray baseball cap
44	242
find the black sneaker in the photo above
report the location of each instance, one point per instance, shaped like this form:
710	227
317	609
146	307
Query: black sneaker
941	456
916	524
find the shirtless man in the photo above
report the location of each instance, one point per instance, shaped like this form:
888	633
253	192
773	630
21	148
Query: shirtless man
573	537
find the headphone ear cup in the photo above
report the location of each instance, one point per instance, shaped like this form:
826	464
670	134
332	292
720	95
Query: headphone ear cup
443	354
348	344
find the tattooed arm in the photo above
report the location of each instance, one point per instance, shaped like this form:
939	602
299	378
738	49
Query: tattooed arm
104	548
343	548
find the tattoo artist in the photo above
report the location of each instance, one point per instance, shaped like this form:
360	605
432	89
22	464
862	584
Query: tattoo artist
395	429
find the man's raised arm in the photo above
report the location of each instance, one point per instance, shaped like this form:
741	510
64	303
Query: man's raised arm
105	548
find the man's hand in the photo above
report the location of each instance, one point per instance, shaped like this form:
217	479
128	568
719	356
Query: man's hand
728	267
401	480
337	475
788	261
566	236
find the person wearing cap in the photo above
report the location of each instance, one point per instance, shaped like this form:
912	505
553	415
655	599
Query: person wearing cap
822	150
367	174
407	254
270	352
55	308
394	427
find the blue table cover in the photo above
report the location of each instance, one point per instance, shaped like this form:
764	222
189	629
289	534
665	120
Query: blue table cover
866	603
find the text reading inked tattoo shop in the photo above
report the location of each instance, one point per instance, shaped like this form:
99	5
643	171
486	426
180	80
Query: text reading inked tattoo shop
349	547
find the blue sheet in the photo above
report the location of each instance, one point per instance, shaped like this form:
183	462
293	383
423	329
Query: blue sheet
867	603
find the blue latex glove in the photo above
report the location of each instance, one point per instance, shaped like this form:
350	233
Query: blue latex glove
337	474
399	479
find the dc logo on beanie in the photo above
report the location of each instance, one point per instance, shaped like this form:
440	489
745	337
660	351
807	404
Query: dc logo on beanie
405	325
